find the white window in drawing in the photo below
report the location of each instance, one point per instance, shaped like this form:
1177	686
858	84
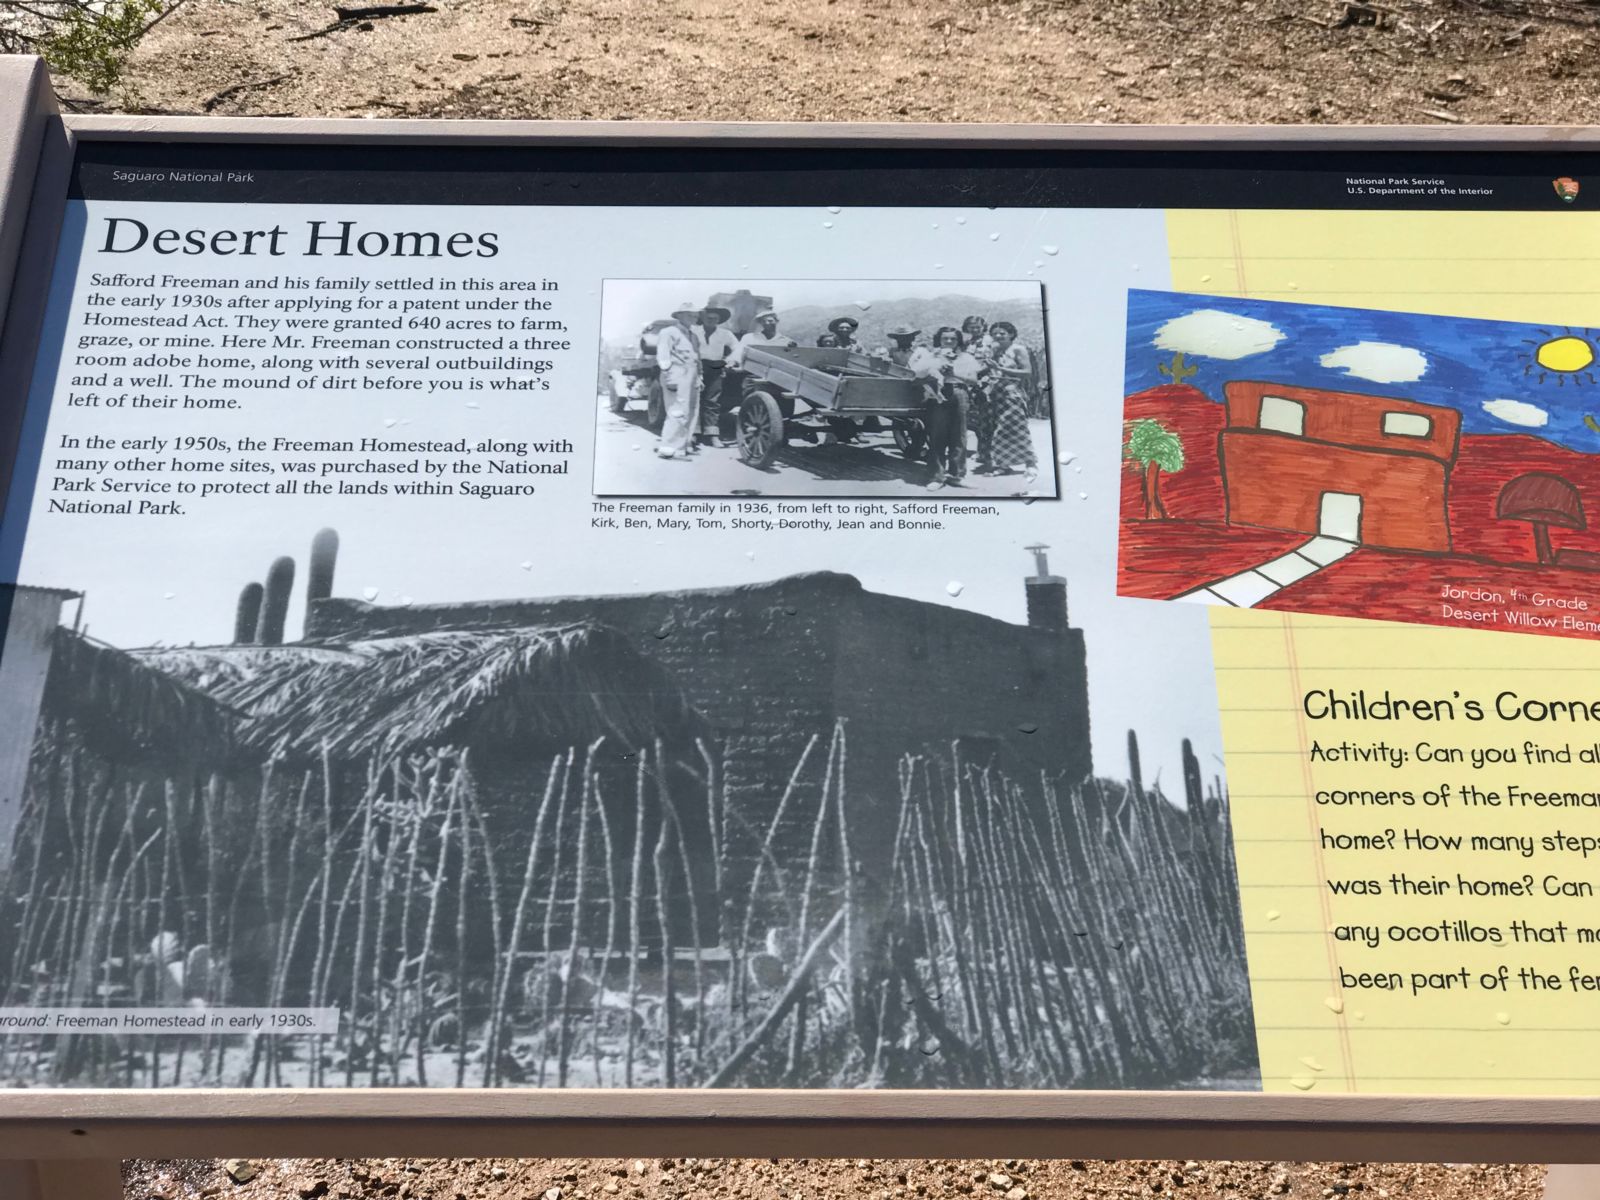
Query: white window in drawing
1407	425
1283	416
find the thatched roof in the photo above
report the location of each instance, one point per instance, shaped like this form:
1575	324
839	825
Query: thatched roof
548	685
126	710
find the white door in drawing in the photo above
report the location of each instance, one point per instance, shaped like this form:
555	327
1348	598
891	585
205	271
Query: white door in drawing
1340	516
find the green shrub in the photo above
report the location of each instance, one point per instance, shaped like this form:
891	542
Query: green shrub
90	40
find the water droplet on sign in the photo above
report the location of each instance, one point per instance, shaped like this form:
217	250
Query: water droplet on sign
370	593
1334	1004
834	208
827	224
388	422
994	237
938	266
1273	914
472	404
1205	279
1310	1061
168	595
1065	457
1302	1082
404	600
864	305
1051	249
955	587
526	565
961	220
1083	495
1503	1017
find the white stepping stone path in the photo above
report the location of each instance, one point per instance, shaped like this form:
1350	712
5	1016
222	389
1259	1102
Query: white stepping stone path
1249	588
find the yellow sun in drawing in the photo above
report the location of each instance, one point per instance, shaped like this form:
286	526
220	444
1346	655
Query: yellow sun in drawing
1567	354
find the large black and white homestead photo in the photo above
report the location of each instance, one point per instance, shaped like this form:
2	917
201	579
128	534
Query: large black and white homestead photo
793	832
824	388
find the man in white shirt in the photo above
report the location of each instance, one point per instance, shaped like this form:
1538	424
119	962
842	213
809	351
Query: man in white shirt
764	334
678	356
717	344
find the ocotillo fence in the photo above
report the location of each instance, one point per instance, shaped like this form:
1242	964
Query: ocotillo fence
1024	932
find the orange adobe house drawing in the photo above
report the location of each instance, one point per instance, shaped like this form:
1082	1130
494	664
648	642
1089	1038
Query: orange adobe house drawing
1369	470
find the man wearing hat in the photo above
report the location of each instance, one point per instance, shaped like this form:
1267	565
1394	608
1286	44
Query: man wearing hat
678	356
764	334
844	333
717	345
902	336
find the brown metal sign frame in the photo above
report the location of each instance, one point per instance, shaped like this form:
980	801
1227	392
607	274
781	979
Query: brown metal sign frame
97	1126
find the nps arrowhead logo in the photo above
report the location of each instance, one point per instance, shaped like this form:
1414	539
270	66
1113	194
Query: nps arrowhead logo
1566	188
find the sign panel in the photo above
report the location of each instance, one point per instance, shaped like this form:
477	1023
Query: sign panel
749	615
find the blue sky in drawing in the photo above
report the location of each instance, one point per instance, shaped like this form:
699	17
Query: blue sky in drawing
1489	370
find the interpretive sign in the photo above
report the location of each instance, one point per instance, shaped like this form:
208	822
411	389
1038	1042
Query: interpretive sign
589	610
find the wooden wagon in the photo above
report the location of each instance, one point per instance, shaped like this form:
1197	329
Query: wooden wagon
811	394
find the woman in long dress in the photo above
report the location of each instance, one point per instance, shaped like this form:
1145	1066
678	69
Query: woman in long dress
1011	444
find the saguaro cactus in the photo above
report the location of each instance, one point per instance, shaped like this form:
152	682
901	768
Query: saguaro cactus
247	616
275	604
319	574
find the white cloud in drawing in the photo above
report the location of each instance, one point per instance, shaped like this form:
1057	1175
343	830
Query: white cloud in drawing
1380	362
1517	412
1216	334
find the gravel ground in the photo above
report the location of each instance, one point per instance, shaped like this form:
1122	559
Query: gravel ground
820	1179
1323	61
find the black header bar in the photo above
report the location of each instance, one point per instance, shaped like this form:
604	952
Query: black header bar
656	174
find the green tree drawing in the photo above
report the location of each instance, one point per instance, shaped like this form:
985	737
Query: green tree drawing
1156	449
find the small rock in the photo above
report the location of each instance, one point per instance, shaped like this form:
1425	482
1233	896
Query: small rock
165	1187
311	1189
497	1172
1017	1193
1000	1181
241	1170
638	1166
552	1193
610	1187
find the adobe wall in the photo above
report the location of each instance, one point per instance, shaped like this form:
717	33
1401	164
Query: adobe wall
915	676
771	665
1276	481
756	660
1348	418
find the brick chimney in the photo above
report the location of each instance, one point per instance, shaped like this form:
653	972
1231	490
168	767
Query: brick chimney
1047	595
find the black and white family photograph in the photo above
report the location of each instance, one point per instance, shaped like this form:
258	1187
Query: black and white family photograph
795	831
824	388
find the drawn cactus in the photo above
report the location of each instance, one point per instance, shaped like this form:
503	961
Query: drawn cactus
1177	370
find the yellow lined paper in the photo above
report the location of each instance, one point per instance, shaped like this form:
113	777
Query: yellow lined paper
1313	1033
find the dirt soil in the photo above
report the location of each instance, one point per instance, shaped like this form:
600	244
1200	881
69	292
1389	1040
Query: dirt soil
1239	61
820	1179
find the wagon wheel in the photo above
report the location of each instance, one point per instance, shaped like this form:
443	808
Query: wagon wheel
911	439
655	413
760	429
